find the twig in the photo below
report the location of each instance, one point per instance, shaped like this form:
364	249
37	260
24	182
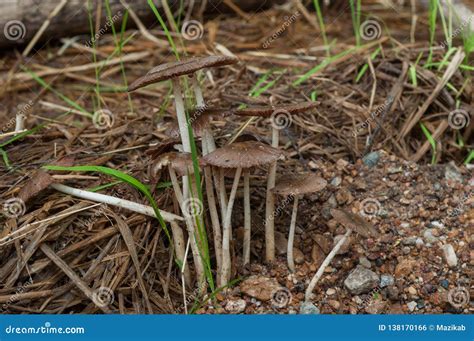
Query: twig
107	199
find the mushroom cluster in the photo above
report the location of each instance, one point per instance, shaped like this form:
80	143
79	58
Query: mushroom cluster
232	159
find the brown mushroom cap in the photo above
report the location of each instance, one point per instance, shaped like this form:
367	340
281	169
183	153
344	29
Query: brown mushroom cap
183	67
242	155
181	163
267	111
354	222
300	184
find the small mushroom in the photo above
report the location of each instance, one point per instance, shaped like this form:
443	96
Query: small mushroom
239	155
269	111
352	222
181	164
296	187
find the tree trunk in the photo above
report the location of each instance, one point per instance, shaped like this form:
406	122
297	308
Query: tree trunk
21	19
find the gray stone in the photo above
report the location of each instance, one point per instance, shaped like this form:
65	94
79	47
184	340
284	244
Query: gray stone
361	280
371	159
386	280
437	224
308	308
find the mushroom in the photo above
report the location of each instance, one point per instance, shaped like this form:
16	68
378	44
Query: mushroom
296	187
239	155
279	115
181	164
352	222
173	71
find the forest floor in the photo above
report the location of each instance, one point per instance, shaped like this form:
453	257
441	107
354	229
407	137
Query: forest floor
392	135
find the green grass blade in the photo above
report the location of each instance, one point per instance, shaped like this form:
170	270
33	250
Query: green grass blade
431	140
165	28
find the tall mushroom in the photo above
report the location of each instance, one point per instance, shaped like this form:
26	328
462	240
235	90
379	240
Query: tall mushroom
352	222
238	156
297	186
281	118
173	71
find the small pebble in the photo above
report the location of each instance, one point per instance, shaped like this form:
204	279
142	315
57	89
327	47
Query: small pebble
444	283
365	262
411	305
371	159
330	291
336	181
308	308
386	280
406	250
450	255
429	237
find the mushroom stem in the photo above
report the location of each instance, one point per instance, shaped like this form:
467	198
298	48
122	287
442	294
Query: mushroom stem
190	226
291	236
247	219
181	115
179	246
226	259
270	205
20	123
216	227
197	91
309	291
222	194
